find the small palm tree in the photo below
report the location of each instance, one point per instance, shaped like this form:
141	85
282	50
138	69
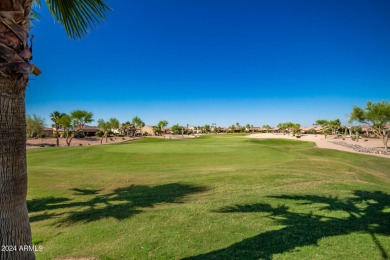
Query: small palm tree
55	117
126	128
138	124
162	124
77	17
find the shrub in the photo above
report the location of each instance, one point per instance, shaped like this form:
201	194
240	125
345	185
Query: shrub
328	131
79	135
99	133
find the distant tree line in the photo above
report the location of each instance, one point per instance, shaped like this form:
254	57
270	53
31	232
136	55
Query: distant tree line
374	115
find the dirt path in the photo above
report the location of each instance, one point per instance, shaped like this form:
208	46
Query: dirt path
51	142
48	142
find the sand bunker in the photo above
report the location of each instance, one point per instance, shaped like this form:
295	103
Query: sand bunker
329	142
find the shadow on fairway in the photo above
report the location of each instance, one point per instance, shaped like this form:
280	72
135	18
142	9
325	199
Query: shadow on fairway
367	212
120	204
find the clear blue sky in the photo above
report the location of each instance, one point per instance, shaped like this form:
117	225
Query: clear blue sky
206	61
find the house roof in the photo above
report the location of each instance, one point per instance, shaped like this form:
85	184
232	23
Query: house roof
147	127
369	128
311	127
87	129
47	129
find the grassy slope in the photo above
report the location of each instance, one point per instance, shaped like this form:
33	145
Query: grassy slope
210	197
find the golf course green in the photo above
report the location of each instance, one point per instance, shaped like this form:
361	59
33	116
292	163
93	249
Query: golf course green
213	197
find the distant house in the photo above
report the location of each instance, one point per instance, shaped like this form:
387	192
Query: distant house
117	131
253	129
48	131
147	129
196	130
224	130
310	129
86	130
89	130
369	132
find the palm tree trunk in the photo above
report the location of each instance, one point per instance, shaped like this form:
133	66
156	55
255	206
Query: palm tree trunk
14	222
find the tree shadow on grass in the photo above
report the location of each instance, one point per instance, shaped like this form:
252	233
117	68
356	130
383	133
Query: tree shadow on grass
366	213
85	191
120	204
46	203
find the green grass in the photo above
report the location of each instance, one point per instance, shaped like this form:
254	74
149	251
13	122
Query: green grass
215	197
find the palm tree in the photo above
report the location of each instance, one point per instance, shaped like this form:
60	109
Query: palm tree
335	126
55	117
324	125
137	123
248	127
126	128
162	124
77	17
267	128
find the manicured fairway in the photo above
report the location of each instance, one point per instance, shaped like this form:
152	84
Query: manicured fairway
214	197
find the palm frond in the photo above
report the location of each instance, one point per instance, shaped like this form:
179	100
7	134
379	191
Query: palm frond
78	16
37	3
35	15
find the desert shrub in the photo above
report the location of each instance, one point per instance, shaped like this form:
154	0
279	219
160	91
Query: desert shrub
79	135
328	131
99	133
311	131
